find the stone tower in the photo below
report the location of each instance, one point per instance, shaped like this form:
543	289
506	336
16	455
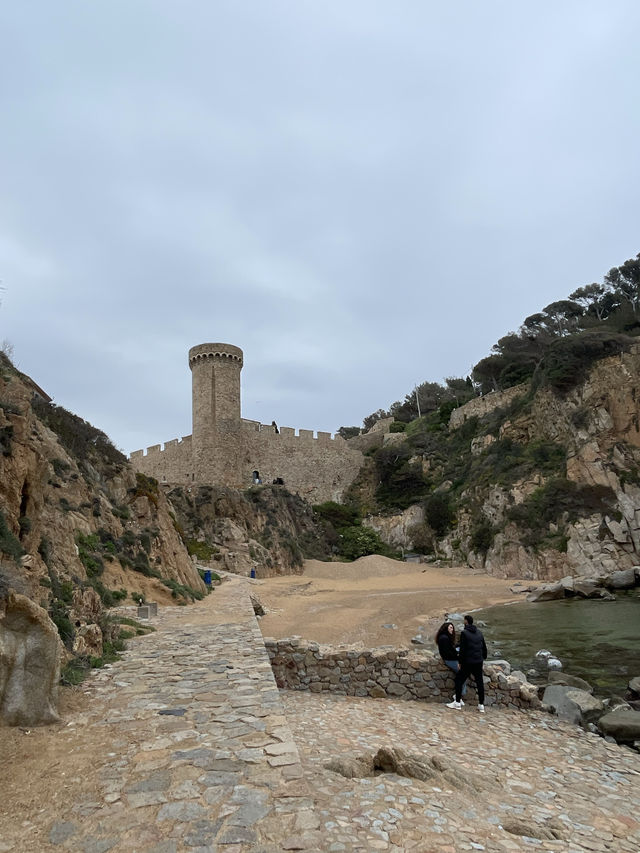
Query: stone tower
217	426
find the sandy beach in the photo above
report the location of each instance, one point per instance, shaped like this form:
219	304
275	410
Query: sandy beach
374	600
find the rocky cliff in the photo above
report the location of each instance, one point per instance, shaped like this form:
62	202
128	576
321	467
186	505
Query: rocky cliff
544	485
79	530
265	528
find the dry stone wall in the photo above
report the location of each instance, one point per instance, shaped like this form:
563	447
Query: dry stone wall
385	673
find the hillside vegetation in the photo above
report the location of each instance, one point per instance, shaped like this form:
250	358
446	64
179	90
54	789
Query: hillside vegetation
515	486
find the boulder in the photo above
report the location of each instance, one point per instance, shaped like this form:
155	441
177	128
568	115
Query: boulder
624	579
30	655
567	583
634	685
87	641
623	725
554	663
503	665
585	587
571	704
546	592
567	680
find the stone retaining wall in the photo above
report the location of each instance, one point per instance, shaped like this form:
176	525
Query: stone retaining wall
386	672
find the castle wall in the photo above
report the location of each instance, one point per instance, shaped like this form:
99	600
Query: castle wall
318	469
225	449
174	464
481	406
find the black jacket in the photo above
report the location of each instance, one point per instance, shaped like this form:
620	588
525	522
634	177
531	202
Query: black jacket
473	648
446	648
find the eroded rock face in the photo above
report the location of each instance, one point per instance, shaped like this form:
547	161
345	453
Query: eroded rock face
423	767
30	655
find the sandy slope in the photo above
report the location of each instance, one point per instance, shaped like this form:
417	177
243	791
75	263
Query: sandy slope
352	602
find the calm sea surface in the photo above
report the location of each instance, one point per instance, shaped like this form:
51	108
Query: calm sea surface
596	640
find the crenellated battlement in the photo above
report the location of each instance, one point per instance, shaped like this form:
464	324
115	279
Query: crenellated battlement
287	433
226	449
223	352
155	449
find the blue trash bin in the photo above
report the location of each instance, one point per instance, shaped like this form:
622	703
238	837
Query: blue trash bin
252	573
207	577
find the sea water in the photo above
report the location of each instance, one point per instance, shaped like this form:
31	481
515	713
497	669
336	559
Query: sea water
595	640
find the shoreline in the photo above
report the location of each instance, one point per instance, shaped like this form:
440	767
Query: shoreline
375	600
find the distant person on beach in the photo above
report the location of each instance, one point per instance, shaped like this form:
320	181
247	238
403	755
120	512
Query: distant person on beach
473	652
446	642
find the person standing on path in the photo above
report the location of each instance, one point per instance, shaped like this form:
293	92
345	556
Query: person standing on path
473	652
446	642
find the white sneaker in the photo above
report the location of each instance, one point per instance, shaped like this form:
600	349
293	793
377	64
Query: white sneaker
454	699
457	706
481	709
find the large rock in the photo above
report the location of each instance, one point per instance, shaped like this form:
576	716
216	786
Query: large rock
571	704
622	725
30	655
547	592
625	579
565	680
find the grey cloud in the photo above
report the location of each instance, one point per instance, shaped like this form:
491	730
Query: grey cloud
361	197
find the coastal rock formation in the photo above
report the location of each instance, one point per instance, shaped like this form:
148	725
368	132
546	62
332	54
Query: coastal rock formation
79	531
547	483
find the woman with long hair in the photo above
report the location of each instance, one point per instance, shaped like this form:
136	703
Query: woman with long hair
446	642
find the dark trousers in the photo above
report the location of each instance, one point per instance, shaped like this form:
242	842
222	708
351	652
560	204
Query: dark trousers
467	669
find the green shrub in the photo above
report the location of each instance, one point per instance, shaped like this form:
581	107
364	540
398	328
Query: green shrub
482	536
60	467
89	553
9	408
6	435
338	515
75	671
358	541
44	549
567	361
438	512
202	550
397	426
9	544
60	617
558	500
146	487
82	441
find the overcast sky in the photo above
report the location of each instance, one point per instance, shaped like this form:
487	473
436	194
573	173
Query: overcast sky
361	195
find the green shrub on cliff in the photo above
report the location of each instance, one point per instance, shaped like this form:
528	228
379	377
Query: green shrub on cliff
557	502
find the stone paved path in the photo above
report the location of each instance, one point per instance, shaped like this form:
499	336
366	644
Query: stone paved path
528	771
195	750
201	755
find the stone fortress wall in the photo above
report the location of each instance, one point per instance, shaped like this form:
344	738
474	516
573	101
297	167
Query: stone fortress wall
481	406
227	449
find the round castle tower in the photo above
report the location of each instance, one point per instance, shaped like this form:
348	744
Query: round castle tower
217	428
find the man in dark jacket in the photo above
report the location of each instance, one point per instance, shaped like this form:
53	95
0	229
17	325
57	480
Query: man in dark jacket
473	651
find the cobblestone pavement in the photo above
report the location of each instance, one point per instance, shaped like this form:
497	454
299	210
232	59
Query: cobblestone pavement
200	755
527	772
196	751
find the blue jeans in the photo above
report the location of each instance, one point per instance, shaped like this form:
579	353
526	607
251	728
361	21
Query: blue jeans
453	665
